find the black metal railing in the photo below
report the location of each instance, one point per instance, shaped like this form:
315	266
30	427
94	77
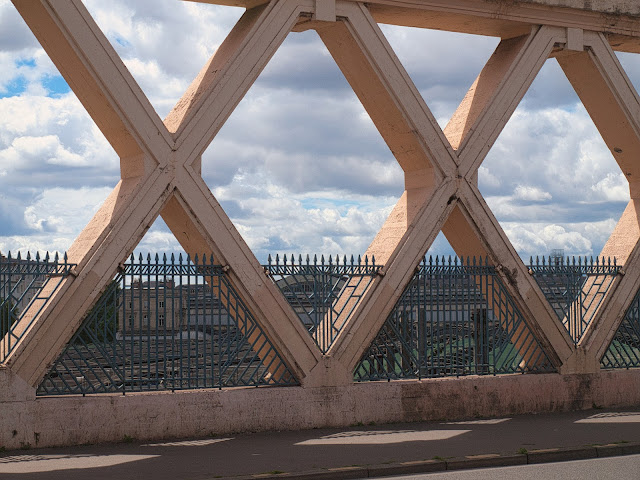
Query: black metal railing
26	285
167	324
624	349
454	318
323	293
575	289
175	323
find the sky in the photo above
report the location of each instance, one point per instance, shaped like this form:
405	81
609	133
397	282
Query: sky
299	167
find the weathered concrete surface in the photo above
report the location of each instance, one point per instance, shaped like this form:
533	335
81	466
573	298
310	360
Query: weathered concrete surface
14	388
618	7
147	416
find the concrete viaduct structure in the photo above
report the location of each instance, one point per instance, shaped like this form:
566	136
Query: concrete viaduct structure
160	175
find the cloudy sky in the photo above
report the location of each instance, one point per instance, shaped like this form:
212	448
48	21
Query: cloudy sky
299	167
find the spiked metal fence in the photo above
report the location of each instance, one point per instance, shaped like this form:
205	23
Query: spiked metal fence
26	285
454	318
167	324
624	349
177	323
324	294
575	289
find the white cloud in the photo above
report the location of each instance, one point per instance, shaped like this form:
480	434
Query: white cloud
63	211
299	166
531	194
614	187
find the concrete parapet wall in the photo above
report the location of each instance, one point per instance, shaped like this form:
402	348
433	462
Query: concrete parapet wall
49	421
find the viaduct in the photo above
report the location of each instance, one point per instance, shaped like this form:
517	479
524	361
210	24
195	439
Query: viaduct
160	175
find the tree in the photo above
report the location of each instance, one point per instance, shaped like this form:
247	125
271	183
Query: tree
7	316
101	324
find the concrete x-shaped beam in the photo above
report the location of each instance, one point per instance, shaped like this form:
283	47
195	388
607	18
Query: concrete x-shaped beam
160	170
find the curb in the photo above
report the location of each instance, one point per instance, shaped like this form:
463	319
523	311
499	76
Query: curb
461	463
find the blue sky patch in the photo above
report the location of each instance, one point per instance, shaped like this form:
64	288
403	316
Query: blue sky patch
14	88
55	85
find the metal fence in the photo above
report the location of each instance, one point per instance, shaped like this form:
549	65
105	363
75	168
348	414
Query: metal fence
454	318
167	324
575	289
26	284
324	294
175	323
624	349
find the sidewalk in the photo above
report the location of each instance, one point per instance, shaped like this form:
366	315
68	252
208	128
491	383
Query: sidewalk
359	451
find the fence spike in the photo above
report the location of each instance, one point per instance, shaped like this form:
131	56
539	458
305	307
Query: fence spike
373	260
359	260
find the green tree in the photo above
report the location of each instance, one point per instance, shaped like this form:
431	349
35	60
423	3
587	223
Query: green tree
7	316
101	323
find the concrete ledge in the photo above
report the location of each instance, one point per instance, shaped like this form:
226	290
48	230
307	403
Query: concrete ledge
465	463
616	7
407	468
484	461
561	454
617	449
329	474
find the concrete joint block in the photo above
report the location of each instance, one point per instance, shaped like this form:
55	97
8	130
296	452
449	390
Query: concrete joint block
575	39
325	11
